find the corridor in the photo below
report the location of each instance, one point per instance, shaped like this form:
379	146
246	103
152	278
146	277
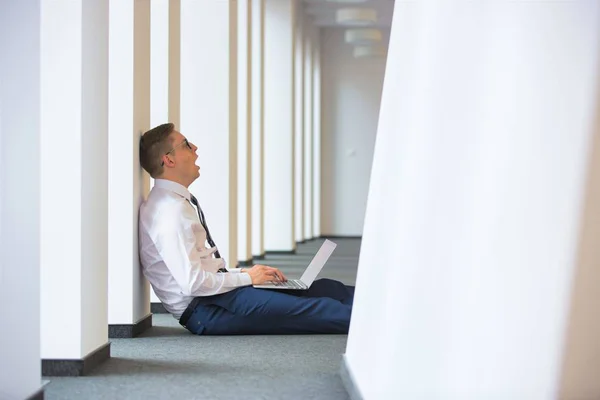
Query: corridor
166	362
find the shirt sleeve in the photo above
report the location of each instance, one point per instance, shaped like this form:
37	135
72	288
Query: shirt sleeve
176	244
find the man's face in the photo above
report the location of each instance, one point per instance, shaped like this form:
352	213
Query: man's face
184	158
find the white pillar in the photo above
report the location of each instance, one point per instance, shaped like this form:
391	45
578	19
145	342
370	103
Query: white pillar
258	18
128	184
159	73
174	62
581	350
308	130
165	33
20	200
279	125
492	217
165	28
209	112
159	62
316	134
244	153
299	126
74	180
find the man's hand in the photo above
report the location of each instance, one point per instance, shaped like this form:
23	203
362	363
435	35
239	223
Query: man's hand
261	274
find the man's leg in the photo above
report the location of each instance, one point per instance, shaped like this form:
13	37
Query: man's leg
327	288
254	311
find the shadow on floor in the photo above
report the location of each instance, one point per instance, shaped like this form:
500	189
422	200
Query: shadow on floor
120	366
163	331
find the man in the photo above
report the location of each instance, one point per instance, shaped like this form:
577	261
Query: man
190	278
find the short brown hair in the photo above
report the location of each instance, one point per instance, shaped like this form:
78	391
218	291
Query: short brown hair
153	145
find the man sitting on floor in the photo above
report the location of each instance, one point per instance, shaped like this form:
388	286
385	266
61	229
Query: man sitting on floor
191	280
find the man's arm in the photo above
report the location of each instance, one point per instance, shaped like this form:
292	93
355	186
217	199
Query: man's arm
176	244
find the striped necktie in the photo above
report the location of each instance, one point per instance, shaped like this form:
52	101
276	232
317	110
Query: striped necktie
209	239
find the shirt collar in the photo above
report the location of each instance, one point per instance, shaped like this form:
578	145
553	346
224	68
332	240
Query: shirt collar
173	187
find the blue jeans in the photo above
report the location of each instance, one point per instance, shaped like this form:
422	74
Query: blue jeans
324	308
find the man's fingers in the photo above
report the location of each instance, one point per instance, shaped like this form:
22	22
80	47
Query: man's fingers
272	272
279	274
275	273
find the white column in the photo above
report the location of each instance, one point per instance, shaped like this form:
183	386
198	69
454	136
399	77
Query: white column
74	178
492	214
244	154
581	349
258	18
128	118
174	56
159	73
299	127
164	61
209	112
279	125
164	68
159	62
308	130
316	134
20	199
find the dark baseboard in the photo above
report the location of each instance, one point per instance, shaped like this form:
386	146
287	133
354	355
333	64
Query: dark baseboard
340	237
128	331
259	257
158	308
77	367
280	252
39	395
246	263
348	381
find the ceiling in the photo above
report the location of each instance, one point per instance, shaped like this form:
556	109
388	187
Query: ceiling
323	11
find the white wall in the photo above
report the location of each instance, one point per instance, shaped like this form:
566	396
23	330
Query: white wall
279	102
351	93
19	199
581	341
307	150
244	129
477	196
94	149
302	27
159	62
209	112
257	117
74	206
128	117
165	16
316	132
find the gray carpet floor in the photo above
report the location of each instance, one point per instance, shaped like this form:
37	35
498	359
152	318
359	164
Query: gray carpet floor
167	362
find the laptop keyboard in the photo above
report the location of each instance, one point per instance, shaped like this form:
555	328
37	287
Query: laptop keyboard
291	284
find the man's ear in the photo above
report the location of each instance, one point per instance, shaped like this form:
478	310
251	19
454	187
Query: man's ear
167	161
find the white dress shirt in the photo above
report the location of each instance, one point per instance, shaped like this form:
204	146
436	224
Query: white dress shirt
173	250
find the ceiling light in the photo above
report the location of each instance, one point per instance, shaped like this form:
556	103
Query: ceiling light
369	51
363	36
356	16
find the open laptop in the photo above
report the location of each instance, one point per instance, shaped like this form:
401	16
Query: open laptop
309	274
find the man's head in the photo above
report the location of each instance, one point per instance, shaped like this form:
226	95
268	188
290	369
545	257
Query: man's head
165	153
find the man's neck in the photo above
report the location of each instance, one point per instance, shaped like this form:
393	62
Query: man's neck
176	180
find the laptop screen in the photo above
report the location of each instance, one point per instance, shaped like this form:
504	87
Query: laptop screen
318	262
